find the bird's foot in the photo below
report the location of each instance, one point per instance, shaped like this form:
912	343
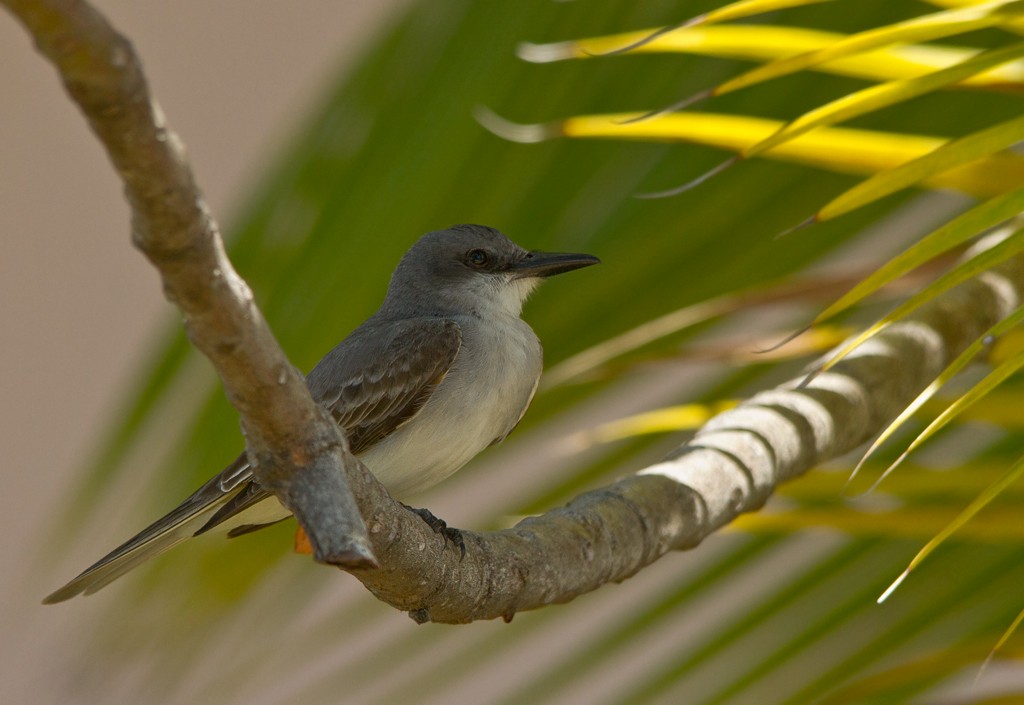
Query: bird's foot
439	526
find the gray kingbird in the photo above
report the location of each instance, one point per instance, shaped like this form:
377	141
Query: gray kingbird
445	368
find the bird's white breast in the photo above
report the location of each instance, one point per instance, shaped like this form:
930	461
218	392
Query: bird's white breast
480	400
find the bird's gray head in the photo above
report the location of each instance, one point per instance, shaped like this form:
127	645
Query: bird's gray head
472	268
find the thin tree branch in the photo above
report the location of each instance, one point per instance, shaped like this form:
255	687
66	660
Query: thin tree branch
296	449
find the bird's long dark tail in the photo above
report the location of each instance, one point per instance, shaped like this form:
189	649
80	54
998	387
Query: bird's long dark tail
228	501
180	524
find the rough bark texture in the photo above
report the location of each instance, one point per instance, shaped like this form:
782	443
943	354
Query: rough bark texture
299	452
732	466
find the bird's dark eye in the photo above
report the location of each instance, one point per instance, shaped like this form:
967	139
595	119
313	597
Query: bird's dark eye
477	258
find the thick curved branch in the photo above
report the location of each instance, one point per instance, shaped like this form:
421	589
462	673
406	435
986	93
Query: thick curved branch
297	451
732	466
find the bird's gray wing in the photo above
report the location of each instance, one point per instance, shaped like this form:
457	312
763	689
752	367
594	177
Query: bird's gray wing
373	383
378	390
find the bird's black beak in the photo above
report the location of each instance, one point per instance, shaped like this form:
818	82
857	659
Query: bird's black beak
548	264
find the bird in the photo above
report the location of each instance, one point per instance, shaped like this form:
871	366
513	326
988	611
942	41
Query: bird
445	368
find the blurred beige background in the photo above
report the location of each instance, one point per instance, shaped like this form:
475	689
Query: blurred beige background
78	305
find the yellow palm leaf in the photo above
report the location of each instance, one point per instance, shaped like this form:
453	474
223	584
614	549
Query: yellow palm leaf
980	262
768	43
985	498
924	28
951	234
837	149
886	94
950	155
